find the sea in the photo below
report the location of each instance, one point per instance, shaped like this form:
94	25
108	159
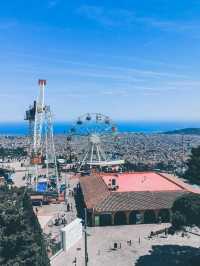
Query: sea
21	128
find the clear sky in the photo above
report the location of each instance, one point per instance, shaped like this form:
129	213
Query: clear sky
130	59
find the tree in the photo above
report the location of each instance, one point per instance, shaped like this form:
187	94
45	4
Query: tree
21	240
186	211
193	164
178	220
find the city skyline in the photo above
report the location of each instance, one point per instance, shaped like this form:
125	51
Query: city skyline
131	61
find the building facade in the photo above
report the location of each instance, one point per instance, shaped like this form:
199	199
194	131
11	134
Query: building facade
130	198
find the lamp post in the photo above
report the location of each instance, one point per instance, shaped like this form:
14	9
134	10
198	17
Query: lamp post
85	234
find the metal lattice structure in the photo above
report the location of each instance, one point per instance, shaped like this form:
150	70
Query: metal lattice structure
39	118
94	128
30	117
42	149
50	153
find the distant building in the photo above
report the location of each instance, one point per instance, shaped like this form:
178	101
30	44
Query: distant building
130	198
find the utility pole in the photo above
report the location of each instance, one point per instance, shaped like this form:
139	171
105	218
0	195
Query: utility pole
85	234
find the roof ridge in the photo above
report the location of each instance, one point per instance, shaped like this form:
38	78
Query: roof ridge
180	183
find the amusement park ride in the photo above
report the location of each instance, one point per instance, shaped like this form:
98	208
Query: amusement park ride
42	171
94	128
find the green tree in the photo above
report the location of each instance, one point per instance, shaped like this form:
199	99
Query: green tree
21	240
186	211
193	171
178	220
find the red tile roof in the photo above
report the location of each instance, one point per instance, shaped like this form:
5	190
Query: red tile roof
94	190
144	200
98	196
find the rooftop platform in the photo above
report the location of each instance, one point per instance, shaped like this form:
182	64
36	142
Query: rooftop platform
142	181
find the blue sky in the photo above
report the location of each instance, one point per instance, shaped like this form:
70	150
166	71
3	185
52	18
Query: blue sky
132	60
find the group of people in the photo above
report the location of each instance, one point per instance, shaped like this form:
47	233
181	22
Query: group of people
60	220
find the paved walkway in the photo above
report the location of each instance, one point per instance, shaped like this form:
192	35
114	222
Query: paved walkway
58	211
101	246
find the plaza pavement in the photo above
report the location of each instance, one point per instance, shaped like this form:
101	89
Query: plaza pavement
48	213
101	246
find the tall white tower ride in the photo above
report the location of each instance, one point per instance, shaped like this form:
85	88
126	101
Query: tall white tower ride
38	126
42	149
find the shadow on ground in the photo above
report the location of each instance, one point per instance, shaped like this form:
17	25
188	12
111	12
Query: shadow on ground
171	255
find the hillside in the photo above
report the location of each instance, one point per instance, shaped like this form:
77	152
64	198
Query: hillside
186	131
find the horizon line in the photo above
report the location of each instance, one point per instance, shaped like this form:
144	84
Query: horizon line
117	120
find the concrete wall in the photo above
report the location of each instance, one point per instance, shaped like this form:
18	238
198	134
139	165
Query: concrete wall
71	234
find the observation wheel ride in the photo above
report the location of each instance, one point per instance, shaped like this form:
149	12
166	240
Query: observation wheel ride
91	132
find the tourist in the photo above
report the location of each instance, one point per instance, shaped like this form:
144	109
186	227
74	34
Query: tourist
74	261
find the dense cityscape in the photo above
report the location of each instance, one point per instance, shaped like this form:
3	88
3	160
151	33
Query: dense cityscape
143	154
167	152
99	133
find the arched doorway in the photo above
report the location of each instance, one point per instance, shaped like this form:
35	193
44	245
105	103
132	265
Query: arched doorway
105	219
120	218
135	217
164	214
149	217
89	218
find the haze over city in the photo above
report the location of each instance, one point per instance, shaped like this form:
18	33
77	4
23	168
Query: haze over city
133	60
